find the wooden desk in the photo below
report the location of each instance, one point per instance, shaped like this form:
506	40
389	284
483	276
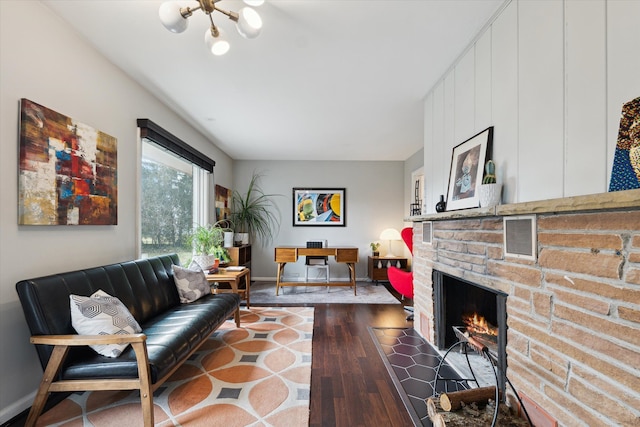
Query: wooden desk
234	278
285	254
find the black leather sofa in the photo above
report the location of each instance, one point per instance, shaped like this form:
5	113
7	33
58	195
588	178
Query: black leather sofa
171	331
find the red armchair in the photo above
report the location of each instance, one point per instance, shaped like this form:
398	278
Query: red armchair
400	280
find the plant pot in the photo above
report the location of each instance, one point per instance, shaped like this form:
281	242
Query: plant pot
206	262
228	239
242	239
376	253
489	195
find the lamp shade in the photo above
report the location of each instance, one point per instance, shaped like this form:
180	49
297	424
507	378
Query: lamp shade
390	234
217	45
249	23
171	17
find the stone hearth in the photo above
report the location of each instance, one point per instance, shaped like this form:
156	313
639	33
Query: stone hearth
573	313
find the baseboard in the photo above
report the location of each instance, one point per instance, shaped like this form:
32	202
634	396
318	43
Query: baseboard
20	409
16	410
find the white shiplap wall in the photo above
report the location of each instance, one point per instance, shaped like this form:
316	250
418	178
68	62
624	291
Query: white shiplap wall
551	77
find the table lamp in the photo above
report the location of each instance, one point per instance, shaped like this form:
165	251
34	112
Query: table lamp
390	234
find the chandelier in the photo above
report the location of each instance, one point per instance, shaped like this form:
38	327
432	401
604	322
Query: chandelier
173	16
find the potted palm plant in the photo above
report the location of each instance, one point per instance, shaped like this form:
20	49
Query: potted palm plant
207	244
254	214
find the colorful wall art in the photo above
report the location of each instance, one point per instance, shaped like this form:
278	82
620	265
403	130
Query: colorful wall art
319	206
67	171
223	203
625	174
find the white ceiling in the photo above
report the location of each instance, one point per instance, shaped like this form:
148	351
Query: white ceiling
325	80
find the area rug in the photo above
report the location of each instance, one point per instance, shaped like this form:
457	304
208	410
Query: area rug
255	375
264	293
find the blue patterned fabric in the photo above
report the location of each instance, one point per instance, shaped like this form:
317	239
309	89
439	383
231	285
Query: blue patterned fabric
625	174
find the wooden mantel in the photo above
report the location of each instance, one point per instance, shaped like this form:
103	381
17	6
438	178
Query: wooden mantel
592	202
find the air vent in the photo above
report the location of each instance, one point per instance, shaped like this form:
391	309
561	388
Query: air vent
520	237
427	232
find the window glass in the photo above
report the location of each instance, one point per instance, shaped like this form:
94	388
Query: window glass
171	191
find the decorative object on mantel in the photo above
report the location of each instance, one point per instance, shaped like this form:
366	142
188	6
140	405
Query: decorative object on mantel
67	171
466	170
625	174
441	206
415	208
248	22
490	191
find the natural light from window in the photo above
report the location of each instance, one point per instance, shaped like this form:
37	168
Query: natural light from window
173	199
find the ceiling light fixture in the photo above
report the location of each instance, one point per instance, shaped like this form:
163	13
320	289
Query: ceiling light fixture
173	16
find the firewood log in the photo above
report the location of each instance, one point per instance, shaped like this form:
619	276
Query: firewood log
431	408
452	401
438	421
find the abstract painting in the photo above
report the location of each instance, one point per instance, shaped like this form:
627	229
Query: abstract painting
67	171
319	206
223	203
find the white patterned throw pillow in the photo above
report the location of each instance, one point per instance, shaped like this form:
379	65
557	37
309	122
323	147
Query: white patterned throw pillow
102	314
191	283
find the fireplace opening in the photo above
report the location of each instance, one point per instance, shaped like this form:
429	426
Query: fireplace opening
465	309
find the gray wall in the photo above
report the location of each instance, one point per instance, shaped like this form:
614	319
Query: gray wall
373	203
40	59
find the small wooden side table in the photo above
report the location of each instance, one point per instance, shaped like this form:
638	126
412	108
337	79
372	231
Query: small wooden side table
234	278
377	274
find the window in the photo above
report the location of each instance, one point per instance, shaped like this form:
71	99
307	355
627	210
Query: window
175	182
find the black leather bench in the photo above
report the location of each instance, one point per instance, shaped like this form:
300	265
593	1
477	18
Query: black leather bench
171	331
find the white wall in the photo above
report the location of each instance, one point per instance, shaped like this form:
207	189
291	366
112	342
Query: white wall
551	76
373	203
40	59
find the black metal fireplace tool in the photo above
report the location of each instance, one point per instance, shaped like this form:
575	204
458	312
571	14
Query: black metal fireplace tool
466	342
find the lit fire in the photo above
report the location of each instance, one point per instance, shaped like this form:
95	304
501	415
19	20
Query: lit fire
477	324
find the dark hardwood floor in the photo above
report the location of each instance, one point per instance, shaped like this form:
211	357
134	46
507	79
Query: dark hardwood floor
350	385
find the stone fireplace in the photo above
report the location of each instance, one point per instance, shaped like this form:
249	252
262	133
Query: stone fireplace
572	312
472	310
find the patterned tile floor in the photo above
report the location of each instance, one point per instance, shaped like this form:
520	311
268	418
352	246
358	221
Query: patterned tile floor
412	363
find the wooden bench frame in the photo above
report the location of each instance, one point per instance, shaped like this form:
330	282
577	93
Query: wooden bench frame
61	344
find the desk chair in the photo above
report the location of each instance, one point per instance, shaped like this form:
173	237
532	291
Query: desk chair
317	262
402	281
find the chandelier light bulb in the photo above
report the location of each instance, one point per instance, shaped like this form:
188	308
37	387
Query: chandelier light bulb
249	23
171	17
254	3
216	45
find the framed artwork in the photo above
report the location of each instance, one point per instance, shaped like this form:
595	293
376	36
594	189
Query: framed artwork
67	170
467	168
319	206
625	174
223	203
